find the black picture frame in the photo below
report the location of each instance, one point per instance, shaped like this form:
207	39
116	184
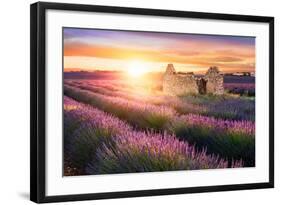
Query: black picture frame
38	100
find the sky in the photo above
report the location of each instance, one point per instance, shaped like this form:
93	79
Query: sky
96	49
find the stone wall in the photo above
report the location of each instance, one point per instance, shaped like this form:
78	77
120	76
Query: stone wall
170	69
187	83
214	81
179	84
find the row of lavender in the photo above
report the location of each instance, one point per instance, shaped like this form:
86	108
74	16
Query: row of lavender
227	138
224	107
243	89
99	143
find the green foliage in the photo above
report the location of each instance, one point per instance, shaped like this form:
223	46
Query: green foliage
230	145
85	144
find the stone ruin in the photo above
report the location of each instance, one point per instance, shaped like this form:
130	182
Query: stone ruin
187	83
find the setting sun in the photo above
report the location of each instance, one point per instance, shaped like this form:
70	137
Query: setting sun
137	68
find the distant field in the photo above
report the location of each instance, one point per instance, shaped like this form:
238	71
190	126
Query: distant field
242	85
115	126
110	75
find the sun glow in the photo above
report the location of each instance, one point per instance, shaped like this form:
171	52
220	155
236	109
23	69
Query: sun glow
137	68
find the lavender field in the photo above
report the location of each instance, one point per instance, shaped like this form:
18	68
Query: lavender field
145	101
117	126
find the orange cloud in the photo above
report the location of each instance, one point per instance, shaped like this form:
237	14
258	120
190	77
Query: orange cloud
228	58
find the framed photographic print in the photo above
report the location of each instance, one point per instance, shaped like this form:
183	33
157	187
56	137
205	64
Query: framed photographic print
129	102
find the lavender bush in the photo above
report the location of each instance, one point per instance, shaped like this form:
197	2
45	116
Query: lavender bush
225	107
145	152
247	89
142	115
102	143
89	129
229	139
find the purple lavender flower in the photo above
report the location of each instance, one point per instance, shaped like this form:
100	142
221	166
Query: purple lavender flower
146	151
242	126
230	139
104	144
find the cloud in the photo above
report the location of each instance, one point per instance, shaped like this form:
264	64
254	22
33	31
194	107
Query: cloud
199	51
